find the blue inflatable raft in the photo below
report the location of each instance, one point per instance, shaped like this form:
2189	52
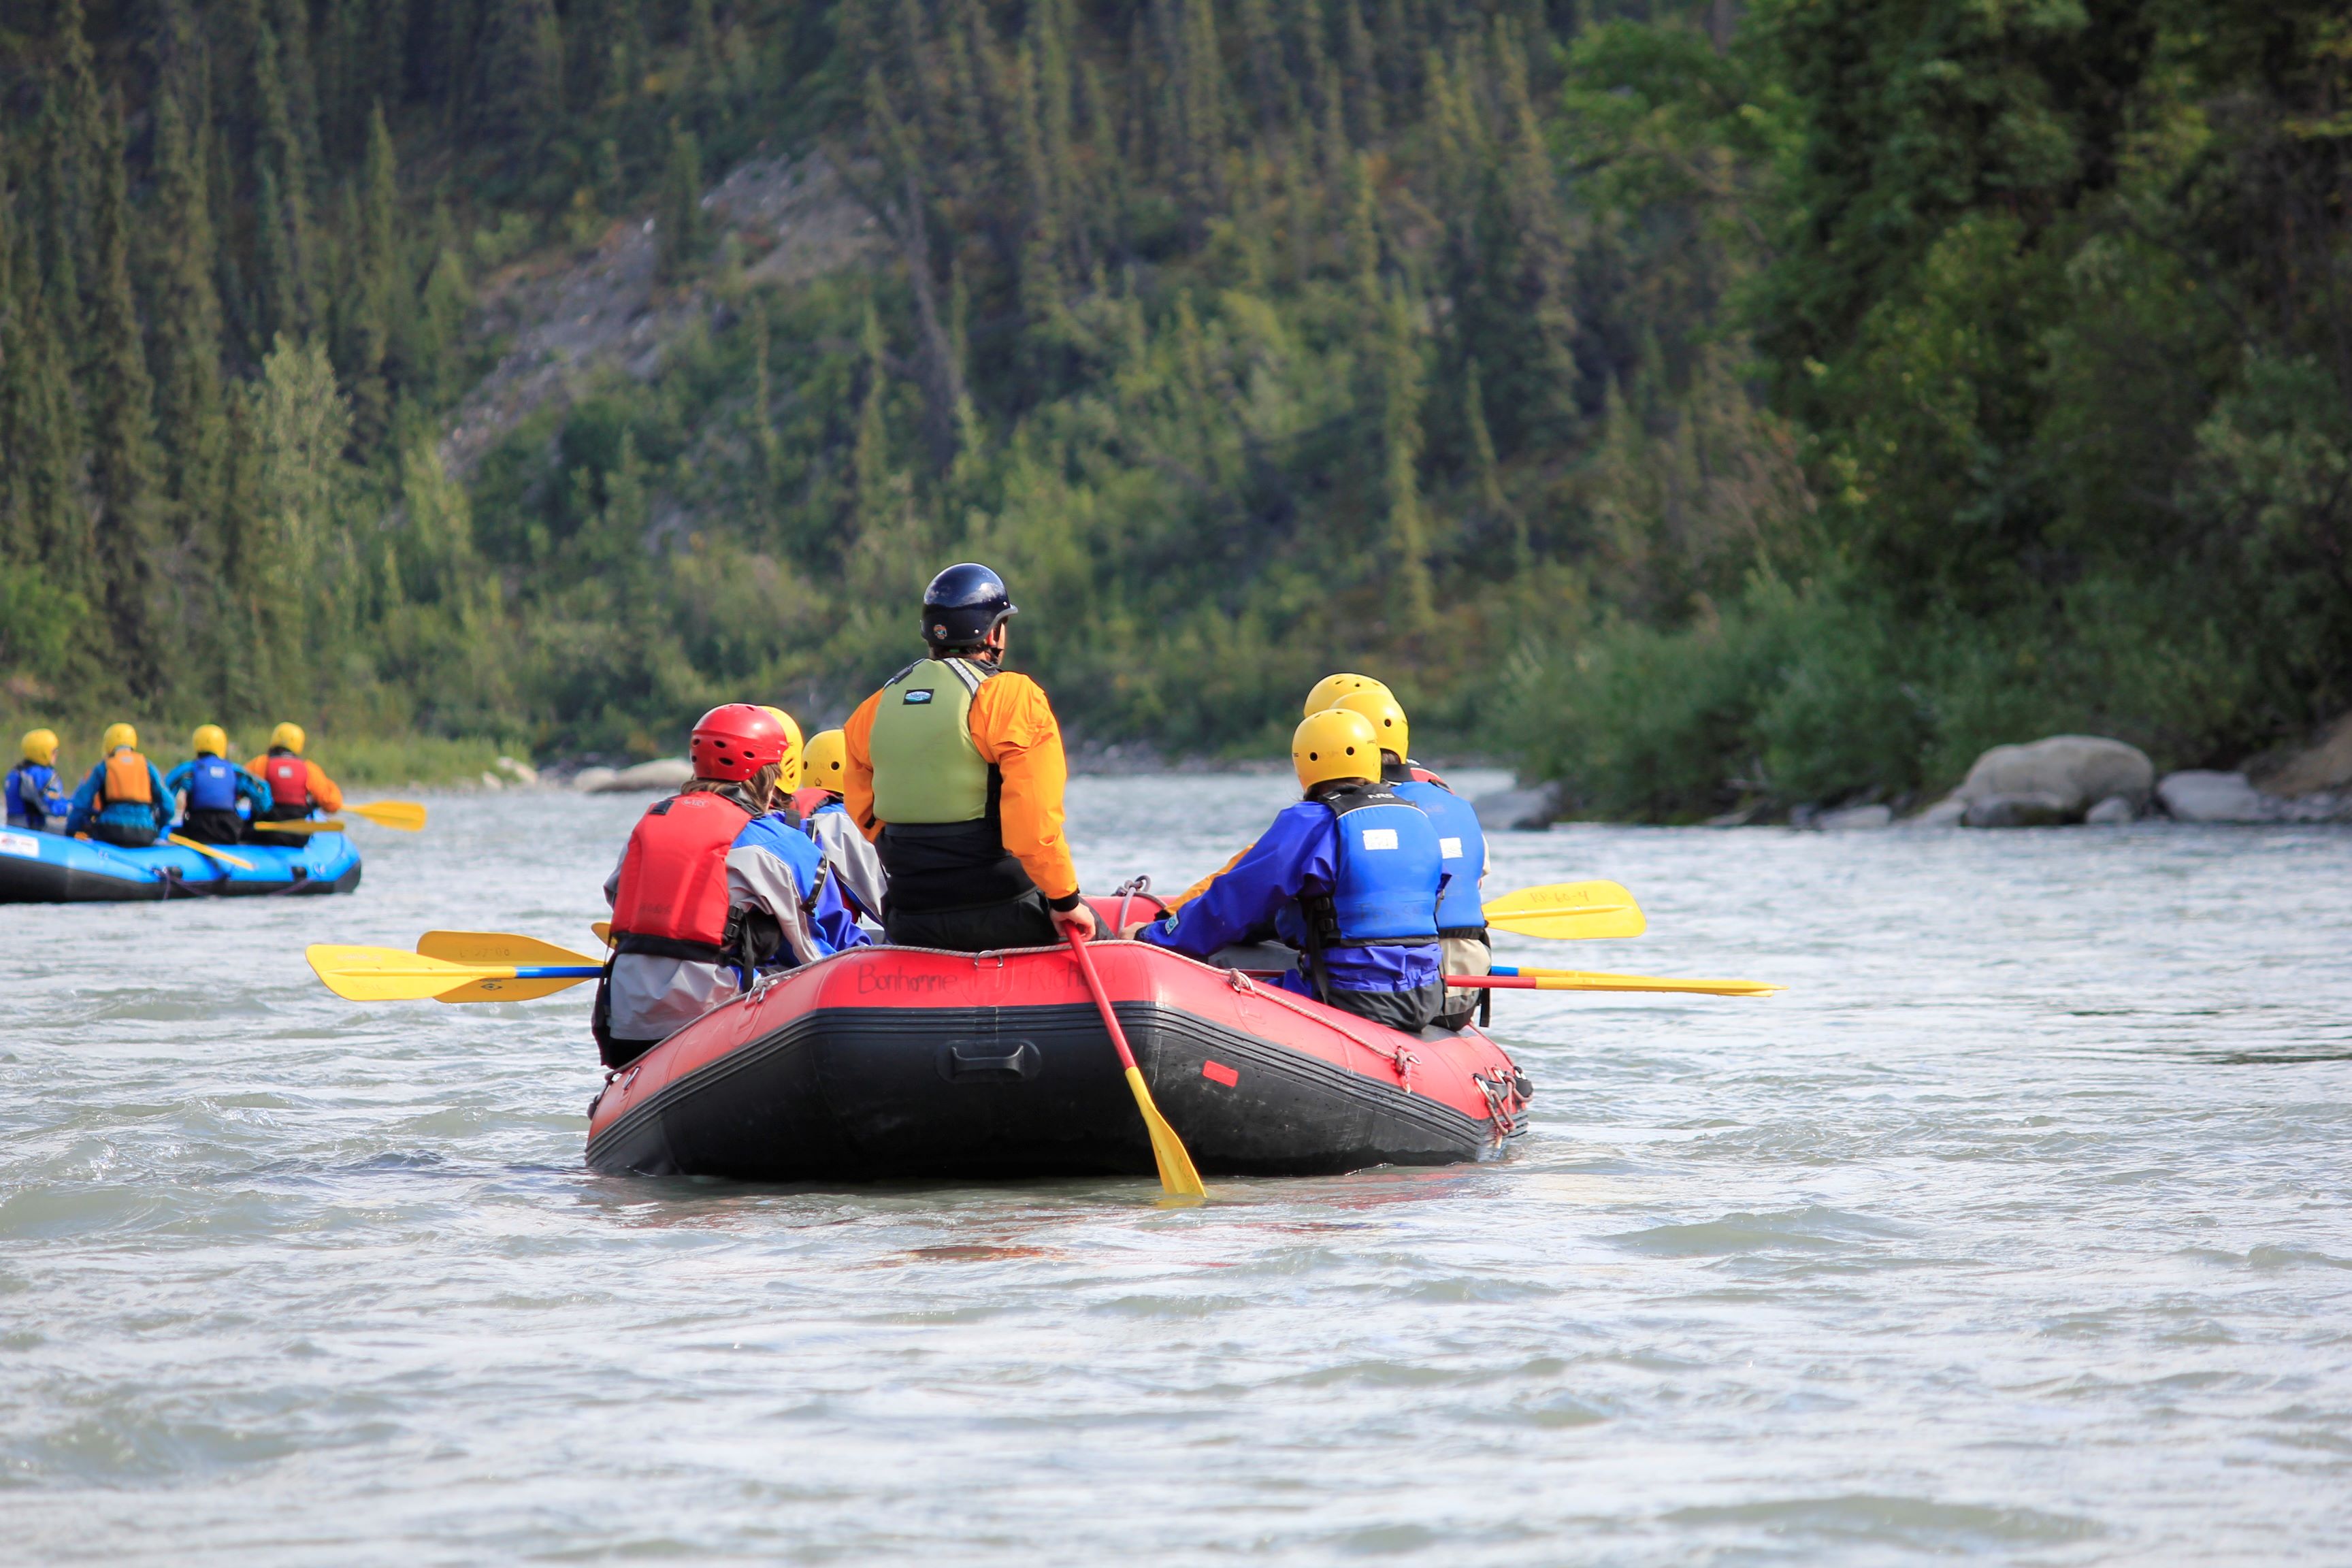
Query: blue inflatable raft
49	868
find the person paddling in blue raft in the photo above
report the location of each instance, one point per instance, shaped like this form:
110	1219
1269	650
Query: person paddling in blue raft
1350	876
123	801
36	796
214	785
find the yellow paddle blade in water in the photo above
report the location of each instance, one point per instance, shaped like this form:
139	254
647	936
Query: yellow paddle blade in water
405	814
495	947
1178	1179
1569	911
388	974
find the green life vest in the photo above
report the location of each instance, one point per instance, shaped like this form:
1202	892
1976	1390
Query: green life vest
926	768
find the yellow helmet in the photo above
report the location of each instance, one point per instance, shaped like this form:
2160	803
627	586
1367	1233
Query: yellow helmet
119	736
289	736
41	746
1334	745
209	739
824	760
1331	687
1386	718
789	765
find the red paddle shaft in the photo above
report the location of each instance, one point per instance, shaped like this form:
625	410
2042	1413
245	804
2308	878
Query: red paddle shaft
1102	998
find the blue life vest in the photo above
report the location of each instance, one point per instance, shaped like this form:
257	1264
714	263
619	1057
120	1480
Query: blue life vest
1462	846
1388	868
212	784
32	793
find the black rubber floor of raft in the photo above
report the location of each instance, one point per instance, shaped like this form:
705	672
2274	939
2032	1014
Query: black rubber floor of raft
863	1094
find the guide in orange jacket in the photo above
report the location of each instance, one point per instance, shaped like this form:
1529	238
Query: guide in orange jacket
955	770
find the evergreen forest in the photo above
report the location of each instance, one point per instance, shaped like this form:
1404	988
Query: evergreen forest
1716	404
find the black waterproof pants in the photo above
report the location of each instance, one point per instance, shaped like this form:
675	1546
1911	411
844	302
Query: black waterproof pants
1411	1011
121	834
1025	921
213	827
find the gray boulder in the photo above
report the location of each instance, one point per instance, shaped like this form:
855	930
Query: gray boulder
1518	810
646	778
1949	812
2112	812
2077	771
2202	795
2022	808
1855	819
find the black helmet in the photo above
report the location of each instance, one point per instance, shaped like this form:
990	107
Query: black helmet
963	604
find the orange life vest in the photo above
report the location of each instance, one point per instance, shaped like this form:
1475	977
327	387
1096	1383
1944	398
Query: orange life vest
126	780
672	901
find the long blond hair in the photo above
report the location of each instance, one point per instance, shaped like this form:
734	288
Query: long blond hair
765	787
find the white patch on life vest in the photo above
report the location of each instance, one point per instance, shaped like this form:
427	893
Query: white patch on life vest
28	845
1449	849
1380	837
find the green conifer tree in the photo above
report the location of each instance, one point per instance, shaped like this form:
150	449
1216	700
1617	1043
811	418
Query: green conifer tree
680	228
124	477
74	130
184	325
40	428
284	247
1367	120
376	285
520	100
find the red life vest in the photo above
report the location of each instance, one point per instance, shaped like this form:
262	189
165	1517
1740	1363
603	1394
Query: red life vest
288	777
672	901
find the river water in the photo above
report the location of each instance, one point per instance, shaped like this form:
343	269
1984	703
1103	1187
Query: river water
2016	1230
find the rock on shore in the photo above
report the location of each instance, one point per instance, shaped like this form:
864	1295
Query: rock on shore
2060	779
1523	810
2199	796
646	778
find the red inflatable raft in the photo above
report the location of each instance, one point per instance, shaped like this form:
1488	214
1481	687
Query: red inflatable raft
906	1062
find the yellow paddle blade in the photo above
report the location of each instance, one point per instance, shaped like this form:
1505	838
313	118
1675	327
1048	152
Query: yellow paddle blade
604	930
506	990
494	947
186	843
405	814
1585	980
386	973
1178	1179
300	826
1569	910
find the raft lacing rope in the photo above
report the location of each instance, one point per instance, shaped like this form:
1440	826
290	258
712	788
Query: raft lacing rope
1402	1058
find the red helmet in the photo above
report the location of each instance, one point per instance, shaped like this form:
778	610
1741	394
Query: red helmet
735	740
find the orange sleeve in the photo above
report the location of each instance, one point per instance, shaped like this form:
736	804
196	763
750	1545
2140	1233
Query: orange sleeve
1197	888
323	790
857	770
1013	727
